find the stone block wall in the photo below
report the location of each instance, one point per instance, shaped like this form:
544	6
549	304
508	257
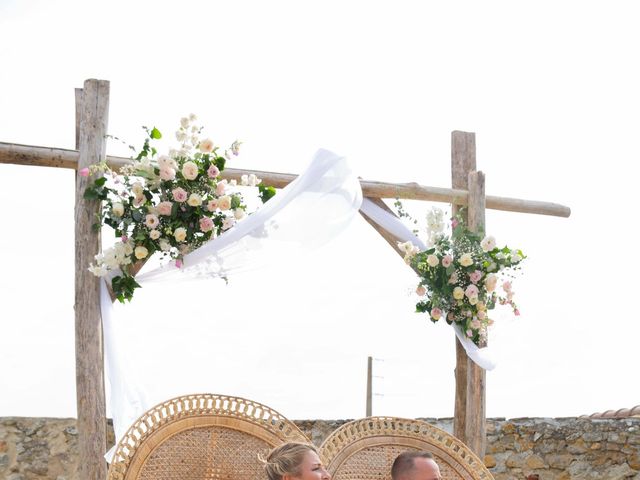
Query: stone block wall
526	448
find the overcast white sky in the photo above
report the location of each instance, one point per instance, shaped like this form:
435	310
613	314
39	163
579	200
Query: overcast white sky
550	88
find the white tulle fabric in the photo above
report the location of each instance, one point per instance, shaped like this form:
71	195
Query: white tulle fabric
312	210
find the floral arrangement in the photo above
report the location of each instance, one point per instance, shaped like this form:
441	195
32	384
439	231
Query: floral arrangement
170	204
460	273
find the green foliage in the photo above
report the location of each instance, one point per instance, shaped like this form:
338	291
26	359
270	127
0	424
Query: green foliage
266	192
123	287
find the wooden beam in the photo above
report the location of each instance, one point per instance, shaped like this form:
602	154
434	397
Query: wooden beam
475	432
92	428
17	154
463	161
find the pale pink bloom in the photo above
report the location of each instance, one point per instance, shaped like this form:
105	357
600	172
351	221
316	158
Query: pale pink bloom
469	333
213	171
221	187
179	263
476	324
421	290
190	170
228	222
451	317
471	291
454	223
516	312
165	161
212	205
224	203
84	172
436	313
164	208
453	278
490	283
488	243
447	260
506	286
167	173
151	221
206	146
124	238
482	314
139	200
239	213
179	194
206	224
475	276
154	234
432	261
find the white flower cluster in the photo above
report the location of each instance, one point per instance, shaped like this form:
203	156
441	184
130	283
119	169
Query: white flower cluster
112	258
435	226
410	250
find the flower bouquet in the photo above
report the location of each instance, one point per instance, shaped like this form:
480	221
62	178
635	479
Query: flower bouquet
459	275
170	204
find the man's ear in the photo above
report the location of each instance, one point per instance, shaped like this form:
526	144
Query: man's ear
286	476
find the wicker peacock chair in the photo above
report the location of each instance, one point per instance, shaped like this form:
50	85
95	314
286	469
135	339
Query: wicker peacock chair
365	450
201	437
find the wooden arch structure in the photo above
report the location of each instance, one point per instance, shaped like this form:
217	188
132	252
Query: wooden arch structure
92	109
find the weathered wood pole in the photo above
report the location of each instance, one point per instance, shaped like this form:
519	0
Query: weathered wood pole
463	161
475	436
92	437
369	386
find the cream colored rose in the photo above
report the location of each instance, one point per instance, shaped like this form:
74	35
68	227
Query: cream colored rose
190	170
421	291
195	200
239	213
206	145
154	234
141	252
491	282
432	261
117	209
180	234
165	246
473	300
137	189
458	293
224	202
466	260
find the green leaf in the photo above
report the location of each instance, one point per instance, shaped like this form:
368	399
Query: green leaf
99	182
155	134
266	193
219	162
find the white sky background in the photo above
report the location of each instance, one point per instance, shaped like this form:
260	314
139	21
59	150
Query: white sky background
550	88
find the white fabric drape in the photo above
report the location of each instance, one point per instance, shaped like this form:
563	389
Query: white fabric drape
309	212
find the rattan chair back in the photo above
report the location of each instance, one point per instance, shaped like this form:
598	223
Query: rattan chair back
201	437
365	450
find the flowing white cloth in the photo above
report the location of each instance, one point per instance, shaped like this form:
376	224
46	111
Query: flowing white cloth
309	212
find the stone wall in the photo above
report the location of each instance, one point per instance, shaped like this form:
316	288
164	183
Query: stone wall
527	448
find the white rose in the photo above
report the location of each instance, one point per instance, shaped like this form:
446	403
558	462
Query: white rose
239	213
180	234
433	261
154	234
98	270
165	246
228	222
224	202
194	200
488	243
515	258
141	252
184	122
190	170
165	161
117	209
465	260
206	145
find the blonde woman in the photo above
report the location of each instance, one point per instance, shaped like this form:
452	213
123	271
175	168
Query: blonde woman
295	461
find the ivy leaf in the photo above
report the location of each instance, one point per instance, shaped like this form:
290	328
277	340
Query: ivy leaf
155	134
266	193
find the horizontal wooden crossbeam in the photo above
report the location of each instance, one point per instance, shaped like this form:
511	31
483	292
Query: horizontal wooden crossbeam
12	153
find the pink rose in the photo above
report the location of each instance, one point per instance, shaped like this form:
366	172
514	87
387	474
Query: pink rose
471	291
447	260
212	205
206	224
221	187
179	194
421	290
516	312
151	220
84	172
164	208
475	276
454	223
436	313
167	173
179	263
213	171
506	286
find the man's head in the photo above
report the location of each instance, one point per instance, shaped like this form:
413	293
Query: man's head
415	466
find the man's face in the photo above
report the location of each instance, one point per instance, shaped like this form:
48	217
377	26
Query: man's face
425	469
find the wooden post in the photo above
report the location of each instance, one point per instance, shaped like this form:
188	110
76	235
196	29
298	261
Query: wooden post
92	438
475	432
369	385
463	161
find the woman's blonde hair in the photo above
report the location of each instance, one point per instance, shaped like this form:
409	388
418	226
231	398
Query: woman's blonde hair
286	459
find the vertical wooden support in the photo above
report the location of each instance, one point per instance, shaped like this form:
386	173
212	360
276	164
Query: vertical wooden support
463	161
369	386
89	348
475	432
